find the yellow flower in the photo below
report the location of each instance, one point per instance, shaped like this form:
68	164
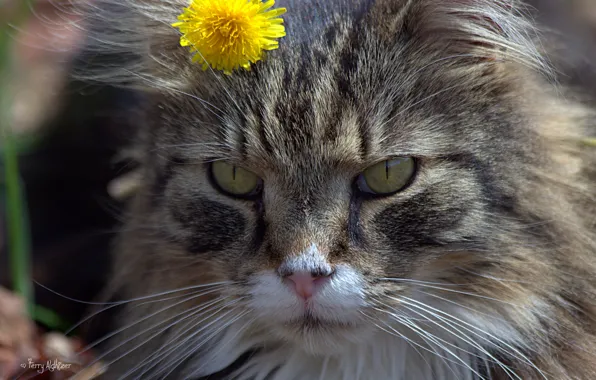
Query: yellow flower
228	34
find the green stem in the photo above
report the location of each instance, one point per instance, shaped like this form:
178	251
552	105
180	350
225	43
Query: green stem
17	224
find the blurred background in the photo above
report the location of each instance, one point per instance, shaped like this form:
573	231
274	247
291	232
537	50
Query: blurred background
61	148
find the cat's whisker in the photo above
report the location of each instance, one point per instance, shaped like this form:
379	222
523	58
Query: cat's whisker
519	306
96	313
204	340
240	330
166	308
442	288
392	331
190	312
476	312
137	298
407	280
502	280
154	359
165	349
212	312
403	319
482	333
460	335
434	338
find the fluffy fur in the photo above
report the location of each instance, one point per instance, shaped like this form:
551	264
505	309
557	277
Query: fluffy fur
483	268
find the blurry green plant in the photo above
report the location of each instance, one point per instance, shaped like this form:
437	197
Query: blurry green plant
17	223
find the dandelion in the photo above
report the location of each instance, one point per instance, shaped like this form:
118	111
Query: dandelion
229	34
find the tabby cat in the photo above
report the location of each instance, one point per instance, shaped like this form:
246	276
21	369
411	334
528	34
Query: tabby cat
403	190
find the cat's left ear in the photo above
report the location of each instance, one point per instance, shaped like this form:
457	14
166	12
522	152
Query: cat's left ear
483	30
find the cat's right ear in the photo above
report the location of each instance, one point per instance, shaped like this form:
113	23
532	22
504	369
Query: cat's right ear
133	44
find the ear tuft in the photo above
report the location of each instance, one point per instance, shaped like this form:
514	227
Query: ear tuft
489	30
132	44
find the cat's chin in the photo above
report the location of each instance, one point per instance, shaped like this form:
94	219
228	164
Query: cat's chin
323	337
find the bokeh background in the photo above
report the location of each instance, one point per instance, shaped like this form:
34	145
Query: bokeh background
69	137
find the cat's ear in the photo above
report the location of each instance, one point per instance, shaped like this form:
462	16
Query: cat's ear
132	43
484	30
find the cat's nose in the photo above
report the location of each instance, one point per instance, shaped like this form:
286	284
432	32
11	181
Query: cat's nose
306	273
306	284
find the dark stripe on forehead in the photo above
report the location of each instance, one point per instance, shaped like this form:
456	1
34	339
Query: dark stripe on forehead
365	136
303	78
320	58
334	123
307	20
260	116
330	37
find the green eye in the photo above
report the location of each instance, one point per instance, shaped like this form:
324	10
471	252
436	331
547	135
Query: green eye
387	177
234	180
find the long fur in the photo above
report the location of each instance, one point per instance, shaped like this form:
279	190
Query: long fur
484	268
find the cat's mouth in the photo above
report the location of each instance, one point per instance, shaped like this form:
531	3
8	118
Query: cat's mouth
310	322
319	335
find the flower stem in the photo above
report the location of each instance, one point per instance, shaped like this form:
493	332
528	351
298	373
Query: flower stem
16	213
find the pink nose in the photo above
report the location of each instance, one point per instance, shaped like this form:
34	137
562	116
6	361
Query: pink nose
306	285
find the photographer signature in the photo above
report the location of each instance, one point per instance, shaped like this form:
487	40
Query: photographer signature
50	365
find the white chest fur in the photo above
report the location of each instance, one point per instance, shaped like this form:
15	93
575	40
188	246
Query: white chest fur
383	357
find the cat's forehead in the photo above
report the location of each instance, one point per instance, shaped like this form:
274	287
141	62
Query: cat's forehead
349	97
321	101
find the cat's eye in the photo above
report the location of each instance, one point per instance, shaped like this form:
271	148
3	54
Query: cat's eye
387	177
234	180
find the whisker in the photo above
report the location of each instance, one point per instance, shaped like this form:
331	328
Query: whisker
118	331
455	320
204	341
397	279
189	313
134	299
503	280
415	349
201	293
194	324
466	340
435	339
240	331
493	317
421	283
396	333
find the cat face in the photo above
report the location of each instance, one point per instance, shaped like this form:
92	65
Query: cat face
271	180
397	172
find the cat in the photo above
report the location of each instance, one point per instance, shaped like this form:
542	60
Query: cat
403	190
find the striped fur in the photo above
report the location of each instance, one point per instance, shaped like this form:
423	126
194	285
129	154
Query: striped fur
483	268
